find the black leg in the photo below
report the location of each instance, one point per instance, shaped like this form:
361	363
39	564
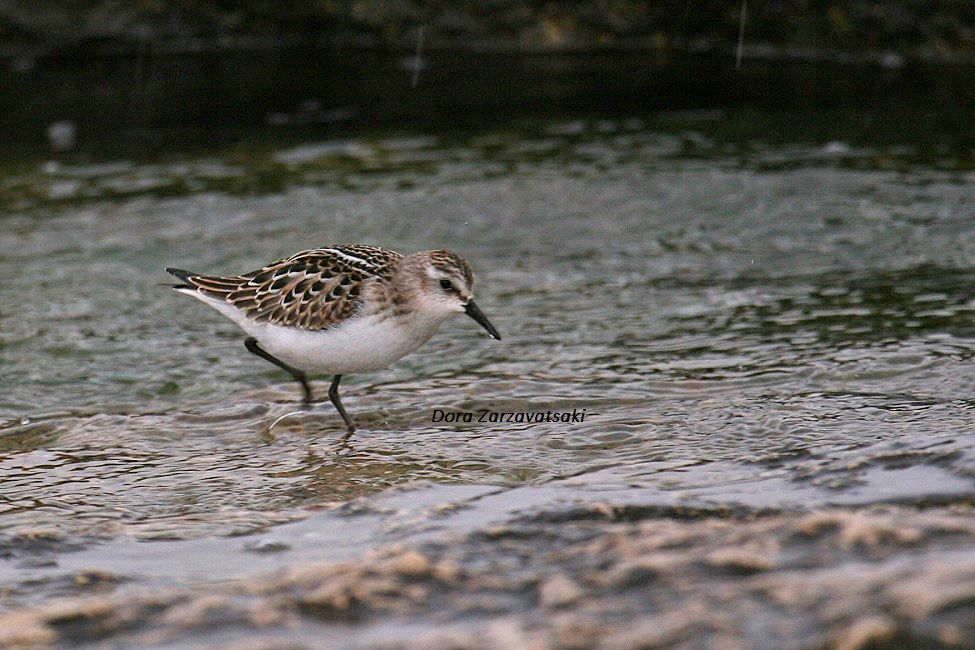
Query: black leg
251	344
333	394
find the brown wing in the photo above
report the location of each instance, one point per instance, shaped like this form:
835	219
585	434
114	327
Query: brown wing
311	290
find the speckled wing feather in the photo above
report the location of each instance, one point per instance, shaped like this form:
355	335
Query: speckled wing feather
311	290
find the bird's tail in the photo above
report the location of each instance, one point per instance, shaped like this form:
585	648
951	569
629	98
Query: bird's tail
182	275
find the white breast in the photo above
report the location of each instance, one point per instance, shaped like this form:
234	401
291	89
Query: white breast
360	344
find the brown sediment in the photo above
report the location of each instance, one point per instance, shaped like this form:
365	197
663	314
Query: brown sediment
835	578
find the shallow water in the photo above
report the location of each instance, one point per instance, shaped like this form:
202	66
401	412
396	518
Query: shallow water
756	333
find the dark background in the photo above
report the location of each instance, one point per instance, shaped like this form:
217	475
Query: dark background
151	76
910	27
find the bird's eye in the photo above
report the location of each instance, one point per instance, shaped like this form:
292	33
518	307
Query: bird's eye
446	285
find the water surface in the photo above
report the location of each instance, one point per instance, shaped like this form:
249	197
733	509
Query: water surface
760	334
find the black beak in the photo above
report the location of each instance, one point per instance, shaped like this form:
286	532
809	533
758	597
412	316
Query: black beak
472	310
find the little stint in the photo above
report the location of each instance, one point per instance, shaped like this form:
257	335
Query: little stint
340	309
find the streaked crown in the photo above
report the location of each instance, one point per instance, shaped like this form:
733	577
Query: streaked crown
436	281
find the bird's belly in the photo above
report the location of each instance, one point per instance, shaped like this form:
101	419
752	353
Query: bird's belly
360	345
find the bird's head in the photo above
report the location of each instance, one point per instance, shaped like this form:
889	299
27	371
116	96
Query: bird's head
441	283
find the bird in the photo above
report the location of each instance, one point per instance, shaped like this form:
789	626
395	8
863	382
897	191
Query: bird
341	309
